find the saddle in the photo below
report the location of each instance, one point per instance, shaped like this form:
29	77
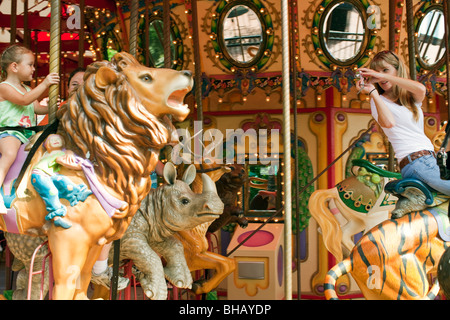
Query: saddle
413	195
374	169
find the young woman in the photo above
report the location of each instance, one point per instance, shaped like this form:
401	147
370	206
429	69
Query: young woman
396	102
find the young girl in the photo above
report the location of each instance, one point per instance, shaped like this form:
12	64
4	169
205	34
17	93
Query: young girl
396	102
18	103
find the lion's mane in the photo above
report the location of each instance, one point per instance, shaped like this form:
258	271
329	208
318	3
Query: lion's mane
110	127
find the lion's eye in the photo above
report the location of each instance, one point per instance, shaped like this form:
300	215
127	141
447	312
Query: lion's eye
146	78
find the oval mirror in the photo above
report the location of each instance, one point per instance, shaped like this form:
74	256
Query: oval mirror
430	37
343	32
156	41
242	34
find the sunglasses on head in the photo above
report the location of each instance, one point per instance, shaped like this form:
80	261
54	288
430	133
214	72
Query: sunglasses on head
386	52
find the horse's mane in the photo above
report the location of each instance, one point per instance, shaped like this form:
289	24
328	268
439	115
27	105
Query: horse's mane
110	127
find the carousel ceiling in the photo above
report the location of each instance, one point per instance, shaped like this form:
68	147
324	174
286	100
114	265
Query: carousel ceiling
29	22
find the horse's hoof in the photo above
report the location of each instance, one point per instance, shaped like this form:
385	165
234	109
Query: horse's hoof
197	286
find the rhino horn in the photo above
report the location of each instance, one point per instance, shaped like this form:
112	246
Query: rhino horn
208	184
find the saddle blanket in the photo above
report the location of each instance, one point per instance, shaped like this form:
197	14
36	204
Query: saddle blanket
109	203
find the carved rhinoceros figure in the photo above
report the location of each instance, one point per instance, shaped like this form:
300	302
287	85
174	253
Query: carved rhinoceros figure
165	211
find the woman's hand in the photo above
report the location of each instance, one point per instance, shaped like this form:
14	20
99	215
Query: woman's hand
372	76
364	86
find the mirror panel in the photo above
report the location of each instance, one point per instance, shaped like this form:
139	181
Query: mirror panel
242	34
430	37
343	31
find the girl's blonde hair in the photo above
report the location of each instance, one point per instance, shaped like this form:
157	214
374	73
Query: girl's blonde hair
402	96
13	53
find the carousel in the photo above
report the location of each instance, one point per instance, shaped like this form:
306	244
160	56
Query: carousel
222	150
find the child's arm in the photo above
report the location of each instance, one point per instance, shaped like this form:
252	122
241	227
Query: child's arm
39	108
8	93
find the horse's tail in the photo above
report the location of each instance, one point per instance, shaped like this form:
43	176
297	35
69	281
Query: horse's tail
342	268
331	230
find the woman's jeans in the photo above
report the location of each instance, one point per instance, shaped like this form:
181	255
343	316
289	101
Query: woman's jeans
426	170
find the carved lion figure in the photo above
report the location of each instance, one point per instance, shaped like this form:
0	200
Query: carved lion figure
115	123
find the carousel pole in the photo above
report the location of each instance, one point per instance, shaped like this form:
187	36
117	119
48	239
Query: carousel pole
287	151
26	29
81	36
134	16
134	19
166	34
55	49
198	70
392	4
411	41
447	54
13	22
296	172
147	34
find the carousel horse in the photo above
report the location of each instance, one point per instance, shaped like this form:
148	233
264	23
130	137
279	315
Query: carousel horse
115	124
195	241
356	204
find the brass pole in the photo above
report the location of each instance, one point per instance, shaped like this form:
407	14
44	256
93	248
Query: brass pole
287	152
392	4
166	34
26	29
55	49
81	36
147	34
134	16
447	54
198	70
293	18
13	21
411	39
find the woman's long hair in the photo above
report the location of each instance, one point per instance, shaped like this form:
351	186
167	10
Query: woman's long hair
402	96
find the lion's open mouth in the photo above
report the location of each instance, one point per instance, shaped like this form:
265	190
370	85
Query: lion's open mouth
176	98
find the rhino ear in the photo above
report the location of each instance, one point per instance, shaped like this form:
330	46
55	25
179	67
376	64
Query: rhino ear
189	174
104	77
170	173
